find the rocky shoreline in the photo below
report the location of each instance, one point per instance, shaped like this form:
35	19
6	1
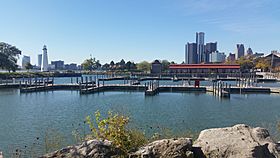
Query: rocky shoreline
239	141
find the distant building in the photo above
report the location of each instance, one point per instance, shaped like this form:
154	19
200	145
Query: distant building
231	57
45	63
240	51
80	67
274	58
204	68
209	48
156	67
191	53
257	55
58	65
71	66
200	46
249	52
39	60
25	60
217	57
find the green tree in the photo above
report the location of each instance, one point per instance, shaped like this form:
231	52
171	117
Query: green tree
28	66
144	66
88	64
91	64
8	56
246	64
165	65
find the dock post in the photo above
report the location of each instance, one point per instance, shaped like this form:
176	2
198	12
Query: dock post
47	81
52	80
82	79
25	84
214	88
35	82
71	80
86	83
219	88
19	84
213	84
44	82
30	82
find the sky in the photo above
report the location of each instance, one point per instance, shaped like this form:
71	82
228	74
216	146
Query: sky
136	30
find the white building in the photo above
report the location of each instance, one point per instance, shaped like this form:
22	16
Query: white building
39	60
25	60
45	63
217	57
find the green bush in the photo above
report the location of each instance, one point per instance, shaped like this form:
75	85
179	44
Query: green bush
114	128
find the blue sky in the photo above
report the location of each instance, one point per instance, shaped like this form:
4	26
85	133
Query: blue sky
136	30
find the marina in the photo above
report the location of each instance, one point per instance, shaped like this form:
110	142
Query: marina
149	85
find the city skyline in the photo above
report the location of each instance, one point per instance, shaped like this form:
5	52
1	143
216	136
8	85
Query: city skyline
136	30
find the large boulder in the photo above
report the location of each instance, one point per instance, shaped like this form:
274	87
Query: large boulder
91	148
166	148
239	141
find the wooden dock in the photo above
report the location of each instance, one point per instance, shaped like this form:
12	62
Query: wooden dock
50	87
150	87
113	87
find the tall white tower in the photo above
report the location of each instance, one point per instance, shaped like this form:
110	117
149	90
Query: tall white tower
45	64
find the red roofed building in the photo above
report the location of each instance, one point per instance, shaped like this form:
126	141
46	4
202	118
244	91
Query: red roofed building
204	68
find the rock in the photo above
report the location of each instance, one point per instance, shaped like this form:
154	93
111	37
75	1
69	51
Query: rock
239	141
166	148
92	148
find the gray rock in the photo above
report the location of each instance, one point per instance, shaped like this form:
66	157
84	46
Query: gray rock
239	141
91	148
166	148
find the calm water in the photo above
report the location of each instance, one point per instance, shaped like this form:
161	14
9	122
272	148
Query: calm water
24	117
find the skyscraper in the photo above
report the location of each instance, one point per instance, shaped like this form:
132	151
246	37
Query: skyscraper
45	64
249	52
209	48
240	51
39	60
191	53
200	46
231	57
25	60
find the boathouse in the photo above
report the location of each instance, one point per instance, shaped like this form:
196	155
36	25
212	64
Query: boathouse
204	68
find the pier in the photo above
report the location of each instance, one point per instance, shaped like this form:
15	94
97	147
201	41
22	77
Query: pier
150	87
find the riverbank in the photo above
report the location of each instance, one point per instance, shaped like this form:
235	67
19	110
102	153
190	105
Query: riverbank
240	141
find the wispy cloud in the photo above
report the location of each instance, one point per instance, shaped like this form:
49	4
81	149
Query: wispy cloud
234	15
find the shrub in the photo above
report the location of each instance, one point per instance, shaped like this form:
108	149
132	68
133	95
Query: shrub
114	128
